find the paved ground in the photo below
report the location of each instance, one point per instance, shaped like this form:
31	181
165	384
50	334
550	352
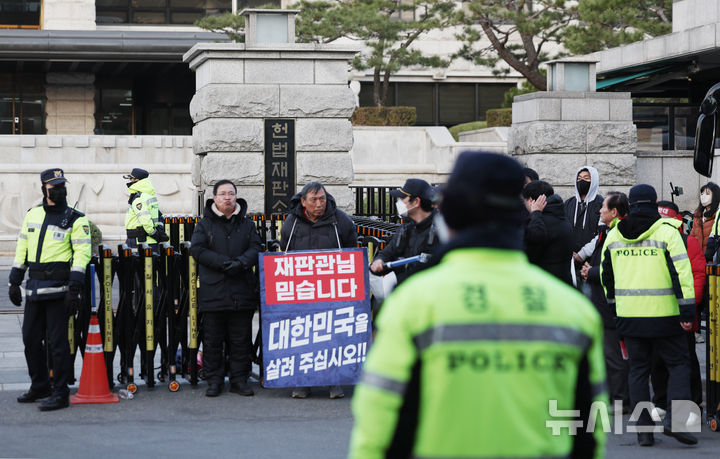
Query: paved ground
158	423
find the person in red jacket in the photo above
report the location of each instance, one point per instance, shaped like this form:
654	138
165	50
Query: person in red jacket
658	373
704	215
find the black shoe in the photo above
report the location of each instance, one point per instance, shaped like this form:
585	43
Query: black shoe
242	388
646	439
682	437
213	390
33	396
336	392
55	402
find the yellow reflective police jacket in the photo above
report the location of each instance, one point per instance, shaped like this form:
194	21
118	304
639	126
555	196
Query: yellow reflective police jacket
143	215
55	245
648	277
469	358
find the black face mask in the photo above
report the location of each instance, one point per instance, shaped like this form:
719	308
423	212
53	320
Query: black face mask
58	195
583	187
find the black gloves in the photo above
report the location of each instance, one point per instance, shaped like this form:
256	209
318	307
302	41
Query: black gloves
15	294
159	235
233	267
72	299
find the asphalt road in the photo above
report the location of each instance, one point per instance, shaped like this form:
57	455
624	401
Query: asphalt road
159	423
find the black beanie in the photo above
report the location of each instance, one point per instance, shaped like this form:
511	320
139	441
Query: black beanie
483	187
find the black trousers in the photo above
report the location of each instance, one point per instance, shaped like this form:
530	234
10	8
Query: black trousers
39	317
673	351
235	329
659	376
617	368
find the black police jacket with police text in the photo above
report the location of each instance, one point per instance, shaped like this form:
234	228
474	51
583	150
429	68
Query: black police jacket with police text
217	239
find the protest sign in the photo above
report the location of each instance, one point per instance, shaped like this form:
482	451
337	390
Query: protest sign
315	316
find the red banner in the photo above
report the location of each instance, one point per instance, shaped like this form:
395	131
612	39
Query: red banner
314	277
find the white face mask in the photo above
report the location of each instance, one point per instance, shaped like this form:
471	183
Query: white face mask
705	199
402	209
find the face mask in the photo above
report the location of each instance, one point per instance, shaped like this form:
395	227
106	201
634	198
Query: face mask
58	195
705	200
129	184
583	187
443	231
402	209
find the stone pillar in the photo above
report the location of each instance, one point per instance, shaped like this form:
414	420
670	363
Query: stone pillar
70	104
68	15
239	85
558	131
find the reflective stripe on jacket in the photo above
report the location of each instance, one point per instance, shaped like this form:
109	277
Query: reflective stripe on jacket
144	211
482	343
54	255
649	276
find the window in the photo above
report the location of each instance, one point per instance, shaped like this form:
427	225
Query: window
145	105
23	14
22	104
166	11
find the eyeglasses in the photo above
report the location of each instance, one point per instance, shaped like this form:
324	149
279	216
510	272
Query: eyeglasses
222	195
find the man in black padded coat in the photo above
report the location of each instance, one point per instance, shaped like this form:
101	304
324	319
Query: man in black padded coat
225	245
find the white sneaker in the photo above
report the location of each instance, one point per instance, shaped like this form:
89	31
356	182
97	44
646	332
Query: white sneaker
657	414
693	420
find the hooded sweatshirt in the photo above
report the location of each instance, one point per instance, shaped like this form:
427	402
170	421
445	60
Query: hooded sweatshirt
585	215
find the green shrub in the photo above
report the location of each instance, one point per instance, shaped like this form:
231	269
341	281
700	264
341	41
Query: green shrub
384	116
471	126
499	117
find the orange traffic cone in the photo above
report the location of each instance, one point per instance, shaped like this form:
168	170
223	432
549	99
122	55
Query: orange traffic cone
94	386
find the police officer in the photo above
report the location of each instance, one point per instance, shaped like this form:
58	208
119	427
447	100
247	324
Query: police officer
417	235
142	220
54	242
646	273
472	354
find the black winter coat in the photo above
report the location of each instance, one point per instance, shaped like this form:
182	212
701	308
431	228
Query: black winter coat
217	239
409	240
302	234
549	239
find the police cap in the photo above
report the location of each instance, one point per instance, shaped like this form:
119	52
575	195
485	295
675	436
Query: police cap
483	187
413	187
137	173
53	176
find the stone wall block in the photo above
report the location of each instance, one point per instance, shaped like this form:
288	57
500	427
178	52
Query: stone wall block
589	109
323	135
614	169
556	169
611	137
326	168
536	110
329	101
220	71
228	135
548	138
331	72
263	71
621	110
196	167
235	101
245	168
